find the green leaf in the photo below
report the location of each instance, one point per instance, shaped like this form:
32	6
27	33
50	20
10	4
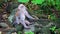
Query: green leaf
53	17
53	28
19	32
23	1
37	1
29	32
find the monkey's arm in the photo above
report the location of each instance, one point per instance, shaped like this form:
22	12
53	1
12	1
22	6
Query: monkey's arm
26	13
17	12
16	16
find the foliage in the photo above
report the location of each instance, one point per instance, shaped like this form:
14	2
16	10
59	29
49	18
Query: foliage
57	31
52	17
57	4
19	32
29	32
24	1
37	1
53	28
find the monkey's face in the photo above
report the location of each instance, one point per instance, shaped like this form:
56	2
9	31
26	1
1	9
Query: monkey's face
21	7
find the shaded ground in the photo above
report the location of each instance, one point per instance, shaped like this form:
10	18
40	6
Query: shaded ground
41	26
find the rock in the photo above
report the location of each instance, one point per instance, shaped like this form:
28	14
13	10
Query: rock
48	25
4	25
45	30
14	33
0	32
5	16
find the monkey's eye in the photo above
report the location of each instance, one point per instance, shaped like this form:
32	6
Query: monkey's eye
22	6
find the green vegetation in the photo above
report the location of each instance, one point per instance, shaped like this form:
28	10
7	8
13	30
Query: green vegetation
30	32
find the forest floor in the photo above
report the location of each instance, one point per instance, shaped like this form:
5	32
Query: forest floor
36	26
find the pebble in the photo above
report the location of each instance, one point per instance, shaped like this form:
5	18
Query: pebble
0	32
14	33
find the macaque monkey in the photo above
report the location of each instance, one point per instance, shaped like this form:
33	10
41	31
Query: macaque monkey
20	16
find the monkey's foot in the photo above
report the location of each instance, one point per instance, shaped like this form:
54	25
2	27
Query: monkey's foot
29	24
27	27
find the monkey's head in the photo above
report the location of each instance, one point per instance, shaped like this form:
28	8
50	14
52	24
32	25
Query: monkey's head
21	6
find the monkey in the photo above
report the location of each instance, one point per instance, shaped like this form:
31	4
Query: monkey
21	14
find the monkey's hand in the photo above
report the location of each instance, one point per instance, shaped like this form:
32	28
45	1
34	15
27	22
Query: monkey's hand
35	17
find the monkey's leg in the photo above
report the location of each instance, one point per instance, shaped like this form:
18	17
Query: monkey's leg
22	21
17	19
24	24
27	22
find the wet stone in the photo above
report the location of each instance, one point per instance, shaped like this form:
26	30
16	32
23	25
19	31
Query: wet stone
4	25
